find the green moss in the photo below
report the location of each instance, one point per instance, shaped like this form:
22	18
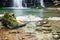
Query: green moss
39	7
9	20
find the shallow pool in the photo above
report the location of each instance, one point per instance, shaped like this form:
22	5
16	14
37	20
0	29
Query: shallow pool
45	13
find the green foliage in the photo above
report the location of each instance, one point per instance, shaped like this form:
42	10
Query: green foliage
9	20
33	7
39	7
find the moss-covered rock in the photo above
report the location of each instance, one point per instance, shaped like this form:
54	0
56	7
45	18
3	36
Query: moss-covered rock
9	21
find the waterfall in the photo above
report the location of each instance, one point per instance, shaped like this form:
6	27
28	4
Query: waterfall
42	3
17	3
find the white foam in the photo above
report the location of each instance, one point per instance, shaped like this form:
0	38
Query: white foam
1	15
28	18
32	18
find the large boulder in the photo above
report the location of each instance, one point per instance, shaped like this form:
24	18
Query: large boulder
9	21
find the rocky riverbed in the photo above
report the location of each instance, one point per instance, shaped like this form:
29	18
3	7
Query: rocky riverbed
31	31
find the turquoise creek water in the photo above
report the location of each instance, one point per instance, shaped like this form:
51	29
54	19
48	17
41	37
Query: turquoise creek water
45	13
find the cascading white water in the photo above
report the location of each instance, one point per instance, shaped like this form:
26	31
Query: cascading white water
42	3
17	3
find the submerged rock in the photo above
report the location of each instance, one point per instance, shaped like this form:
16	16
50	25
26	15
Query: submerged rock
47	25
56	36
38	29
21	23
